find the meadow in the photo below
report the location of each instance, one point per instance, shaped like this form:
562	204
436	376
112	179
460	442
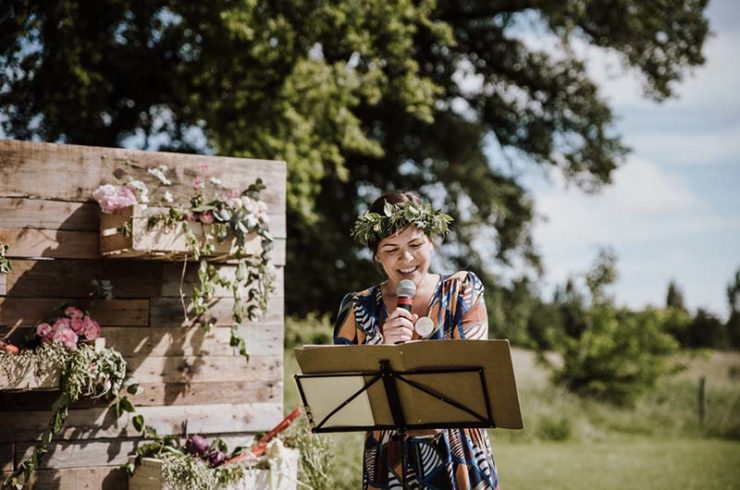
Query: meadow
580	444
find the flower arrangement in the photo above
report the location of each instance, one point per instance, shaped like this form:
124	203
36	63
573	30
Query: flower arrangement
66	345
226	214
200	464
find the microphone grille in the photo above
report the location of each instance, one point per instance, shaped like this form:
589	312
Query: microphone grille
406	288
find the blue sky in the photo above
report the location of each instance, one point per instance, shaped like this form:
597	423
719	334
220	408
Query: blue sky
673	211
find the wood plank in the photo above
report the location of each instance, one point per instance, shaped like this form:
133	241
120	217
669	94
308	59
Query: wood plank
94	478
167	312
73	172
101	423
40	278
263	339
25	312
190	369
172	272
6	457
82	454
158	394
29	242
57	244
49	215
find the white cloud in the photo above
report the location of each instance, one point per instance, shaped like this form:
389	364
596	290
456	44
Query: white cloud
693	147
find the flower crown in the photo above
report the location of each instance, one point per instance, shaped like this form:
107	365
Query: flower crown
372	227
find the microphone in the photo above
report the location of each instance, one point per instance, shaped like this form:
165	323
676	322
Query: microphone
405	292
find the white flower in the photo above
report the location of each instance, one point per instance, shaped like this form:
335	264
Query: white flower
160	173
168	196
217	182
141	188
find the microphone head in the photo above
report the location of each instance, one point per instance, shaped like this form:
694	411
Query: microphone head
406	289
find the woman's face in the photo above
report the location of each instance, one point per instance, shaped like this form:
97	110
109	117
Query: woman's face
405	255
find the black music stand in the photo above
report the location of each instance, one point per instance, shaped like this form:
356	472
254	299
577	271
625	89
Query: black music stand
436	396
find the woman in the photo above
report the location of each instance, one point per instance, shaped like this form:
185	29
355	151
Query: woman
398	230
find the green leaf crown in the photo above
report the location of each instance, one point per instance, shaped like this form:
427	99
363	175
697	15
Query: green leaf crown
372	227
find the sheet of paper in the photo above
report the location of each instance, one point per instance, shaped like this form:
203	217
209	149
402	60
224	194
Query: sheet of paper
324	394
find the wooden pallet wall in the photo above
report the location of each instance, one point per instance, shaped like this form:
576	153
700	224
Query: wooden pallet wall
187	376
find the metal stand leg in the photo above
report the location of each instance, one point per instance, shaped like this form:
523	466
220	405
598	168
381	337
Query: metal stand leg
404	459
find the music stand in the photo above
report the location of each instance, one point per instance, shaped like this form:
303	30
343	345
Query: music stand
412	386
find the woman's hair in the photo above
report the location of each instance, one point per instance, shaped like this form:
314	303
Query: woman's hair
391	198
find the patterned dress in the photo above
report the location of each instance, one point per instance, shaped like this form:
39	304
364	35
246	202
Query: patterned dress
446	459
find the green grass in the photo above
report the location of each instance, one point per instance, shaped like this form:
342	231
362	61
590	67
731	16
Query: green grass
576	444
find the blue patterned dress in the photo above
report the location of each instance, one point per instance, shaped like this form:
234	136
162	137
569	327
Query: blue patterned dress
447	459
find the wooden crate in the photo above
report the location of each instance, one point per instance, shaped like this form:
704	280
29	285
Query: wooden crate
31	378
124	234
148	476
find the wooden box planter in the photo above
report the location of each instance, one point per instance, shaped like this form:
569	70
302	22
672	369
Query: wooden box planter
148	476
25	378
124	234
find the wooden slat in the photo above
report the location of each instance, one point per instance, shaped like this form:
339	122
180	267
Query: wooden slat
23	312
72	172
101	423
6	457
167	312
28	243
41	278
172	272
202	369
158	394
94	478
49	215
50	243
82	454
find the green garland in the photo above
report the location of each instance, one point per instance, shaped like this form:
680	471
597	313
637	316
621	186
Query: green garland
85	372
372	227
254	274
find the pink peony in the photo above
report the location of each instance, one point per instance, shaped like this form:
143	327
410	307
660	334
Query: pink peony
206	217
44	331
78	325
73	313
92	329
113	197
61	323
65	335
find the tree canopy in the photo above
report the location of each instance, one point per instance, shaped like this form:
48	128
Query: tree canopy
357	97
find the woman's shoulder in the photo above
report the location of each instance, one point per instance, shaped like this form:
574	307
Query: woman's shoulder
360	296
463	278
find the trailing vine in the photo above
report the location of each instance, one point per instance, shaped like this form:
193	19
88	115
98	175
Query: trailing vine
5	265
225	215
84	372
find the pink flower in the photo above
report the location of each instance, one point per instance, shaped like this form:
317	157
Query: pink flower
73	313
202	167
113	197
92	329
61	323
66	336
197	183
78	325
206	217
44	330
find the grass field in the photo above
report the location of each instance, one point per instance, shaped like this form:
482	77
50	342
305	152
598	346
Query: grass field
576	444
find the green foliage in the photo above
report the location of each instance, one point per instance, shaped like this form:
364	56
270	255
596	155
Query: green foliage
373	227
611	354
5	265
312	329
85	373
356	97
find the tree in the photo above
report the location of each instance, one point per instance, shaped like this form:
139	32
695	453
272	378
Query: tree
733	301
357	97
674	297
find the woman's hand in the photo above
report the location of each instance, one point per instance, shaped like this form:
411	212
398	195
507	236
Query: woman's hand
399	326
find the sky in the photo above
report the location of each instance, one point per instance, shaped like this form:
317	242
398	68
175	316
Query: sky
673	210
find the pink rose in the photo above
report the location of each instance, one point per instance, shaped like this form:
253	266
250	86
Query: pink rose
61	323
44	330
73	313
66	336
113	197
77	325
206	217
92	329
